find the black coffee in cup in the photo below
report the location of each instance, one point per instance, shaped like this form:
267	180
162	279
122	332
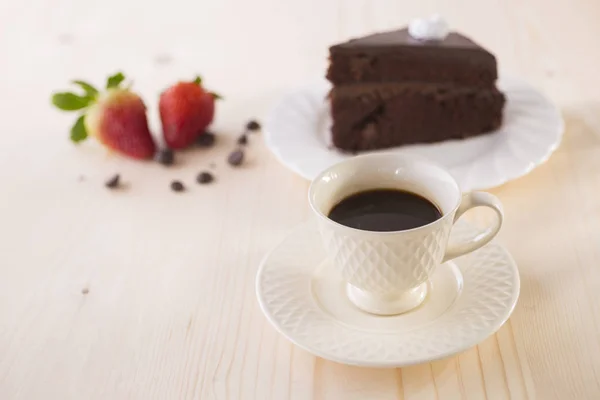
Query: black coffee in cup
384	210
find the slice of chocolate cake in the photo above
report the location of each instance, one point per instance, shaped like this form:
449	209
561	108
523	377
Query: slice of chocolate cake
415	85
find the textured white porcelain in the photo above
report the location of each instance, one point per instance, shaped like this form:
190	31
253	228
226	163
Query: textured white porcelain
297	131
387	271
302	296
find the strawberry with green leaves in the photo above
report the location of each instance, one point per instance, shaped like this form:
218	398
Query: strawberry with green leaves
186	110
116	117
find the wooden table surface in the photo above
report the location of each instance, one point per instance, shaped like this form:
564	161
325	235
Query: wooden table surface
146	294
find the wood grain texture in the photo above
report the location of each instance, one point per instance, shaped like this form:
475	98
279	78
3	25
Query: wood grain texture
144	294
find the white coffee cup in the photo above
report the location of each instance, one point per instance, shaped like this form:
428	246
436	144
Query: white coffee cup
387	272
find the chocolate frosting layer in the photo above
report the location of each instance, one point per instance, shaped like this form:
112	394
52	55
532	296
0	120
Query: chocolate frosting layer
401	38
396	56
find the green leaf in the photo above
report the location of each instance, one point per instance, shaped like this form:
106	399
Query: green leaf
216	96
198	80
115	80
89	90
78	131
67	101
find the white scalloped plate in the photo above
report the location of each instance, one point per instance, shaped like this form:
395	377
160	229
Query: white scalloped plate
468	300
297	131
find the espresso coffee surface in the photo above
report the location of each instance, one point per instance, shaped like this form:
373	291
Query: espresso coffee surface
384	210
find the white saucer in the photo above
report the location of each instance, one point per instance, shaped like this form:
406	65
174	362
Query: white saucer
297	131
468	300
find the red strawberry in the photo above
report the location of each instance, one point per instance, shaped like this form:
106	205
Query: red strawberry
186	110
116	118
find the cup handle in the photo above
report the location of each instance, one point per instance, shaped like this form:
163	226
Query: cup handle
469	201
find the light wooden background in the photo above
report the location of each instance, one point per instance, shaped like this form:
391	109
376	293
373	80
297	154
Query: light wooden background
170	311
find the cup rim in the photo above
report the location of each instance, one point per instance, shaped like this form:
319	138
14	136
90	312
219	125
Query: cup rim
411	157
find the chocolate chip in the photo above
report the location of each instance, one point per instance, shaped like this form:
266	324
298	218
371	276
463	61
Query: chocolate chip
243	140
177	186
252	125
236	158
165	156
205	177
113	182
206	139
